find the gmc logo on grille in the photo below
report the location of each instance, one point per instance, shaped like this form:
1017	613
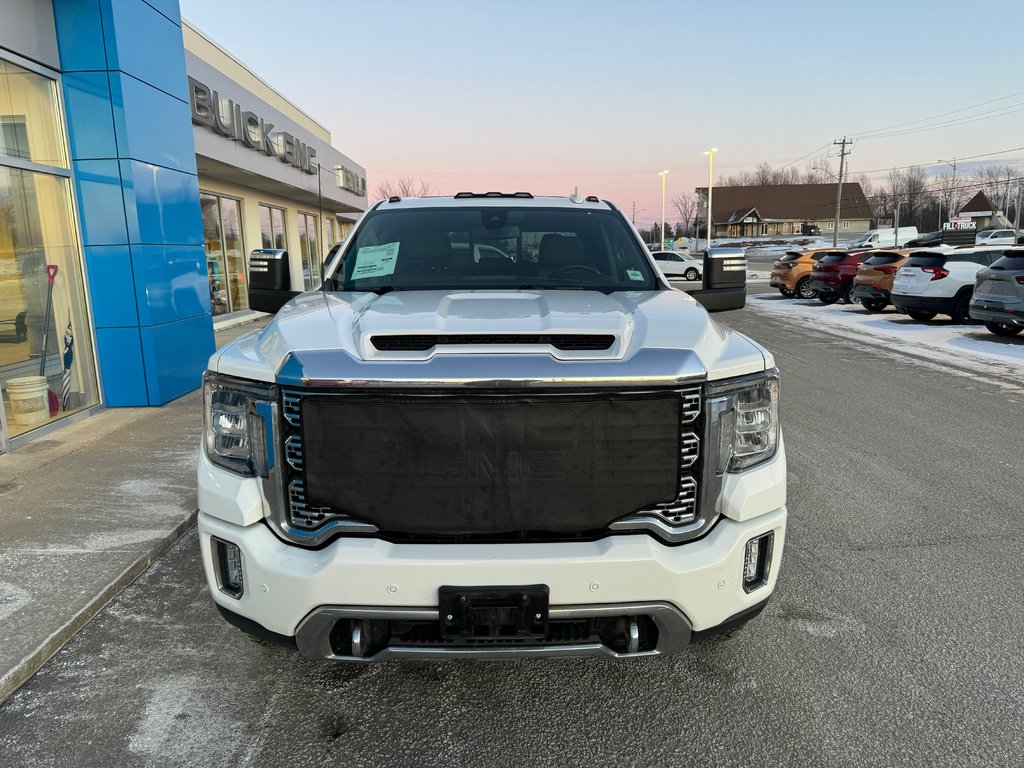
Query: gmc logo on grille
479	465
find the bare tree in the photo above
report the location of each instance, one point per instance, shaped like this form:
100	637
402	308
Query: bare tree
685	204
819	172
403	186
996	181
949	192
908	190
763	175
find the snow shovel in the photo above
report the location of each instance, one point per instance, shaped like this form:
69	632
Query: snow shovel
51	275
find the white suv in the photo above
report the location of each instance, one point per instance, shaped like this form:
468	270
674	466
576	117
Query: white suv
995	237
940	282
678	264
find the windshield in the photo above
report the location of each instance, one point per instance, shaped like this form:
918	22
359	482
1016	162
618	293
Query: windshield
495	247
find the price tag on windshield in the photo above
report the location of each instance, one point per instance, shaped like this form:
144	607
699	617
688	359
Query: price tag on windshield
375	261
634	274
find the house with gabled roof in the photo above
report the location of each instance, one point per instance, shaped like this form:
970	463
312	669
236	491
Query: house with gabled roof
783	209
981	210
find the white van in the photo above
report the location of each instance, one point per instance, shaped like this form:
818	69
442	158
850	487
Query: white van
884	238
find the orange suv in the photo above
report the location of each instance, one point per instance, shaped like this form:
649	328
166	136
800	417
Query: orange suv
792	273
872	284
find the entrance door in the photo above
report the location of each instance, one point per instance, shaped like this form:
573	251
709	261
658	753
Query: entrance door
225	254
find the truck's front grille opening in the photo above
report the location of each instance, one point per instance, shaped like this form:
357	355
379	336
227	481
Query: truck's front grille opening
361	638
517	447
424	342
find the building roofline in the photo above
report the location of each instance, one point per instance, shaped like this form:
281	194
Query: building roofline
247	68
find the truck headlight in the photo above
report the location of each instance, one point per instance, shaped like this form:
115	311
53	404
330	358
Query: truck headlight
240	424
744	415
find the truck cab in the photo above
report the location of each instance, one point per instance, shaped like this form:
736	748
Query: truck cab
495	430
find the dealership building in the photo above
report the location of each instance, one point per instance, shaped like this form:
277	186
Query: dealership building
140	164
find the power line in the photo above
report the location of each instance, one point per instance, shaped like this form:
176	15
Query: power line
1004	112
941	114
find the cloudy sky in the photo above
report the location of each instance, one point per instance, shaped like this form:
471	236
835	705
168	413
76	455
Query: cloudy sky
547	96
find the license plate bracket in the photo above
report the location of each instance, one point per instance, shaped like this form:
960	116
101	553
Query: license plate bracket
493	613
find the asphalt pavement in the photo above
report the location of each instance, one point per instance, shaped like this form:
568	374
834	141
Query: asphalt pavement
893	637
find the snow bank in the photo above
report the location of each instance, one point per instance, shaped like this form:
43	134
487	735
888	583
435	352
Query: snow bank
940	340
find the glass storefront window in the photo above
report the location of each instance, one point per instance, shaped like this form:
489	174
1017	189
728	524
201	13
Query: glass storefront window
309	248
47	367
272	227
30	126
225	254
234	253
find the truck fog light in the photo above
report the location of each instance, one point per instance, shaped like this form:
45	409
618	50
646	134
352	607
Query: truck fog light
227	562
757	561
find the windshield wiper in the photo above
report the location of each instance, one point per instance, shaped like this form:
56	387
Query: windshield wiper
600	288
386	289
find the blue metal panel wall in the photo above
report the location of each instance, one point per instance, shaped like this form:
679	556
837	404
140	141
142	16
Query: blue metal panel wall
123	64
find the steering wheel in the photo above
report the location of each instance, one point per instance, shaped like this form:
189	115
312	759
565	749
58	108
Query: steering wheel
577	267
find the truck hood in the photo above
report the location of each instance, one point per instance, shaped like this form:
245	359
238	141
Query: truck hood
342	327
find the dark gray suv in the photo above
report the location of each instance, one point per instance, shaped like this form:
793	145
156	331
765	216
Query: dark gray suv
998	299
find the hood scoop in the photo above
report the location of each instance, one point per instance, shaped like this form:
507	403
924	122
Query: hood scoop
425	342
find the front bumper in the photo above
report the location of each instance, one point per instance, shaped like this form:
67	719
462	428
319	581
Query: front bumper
318	597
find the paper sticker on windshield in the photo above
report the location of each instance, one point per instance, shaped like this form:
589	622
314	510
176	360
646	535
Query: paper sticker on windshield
634	274
375	261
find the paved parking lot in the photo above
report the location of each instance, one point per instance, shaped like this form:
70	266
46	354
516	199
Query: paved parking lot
893	637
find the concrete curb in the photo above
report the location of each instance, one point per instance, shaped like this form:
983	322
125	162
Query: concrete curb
15	678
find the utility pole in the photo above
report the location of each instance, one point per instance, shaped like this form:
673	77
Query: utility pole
839	187
633	217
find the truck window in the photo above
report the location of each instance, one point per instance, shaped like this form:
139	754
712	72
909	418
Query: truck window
495	247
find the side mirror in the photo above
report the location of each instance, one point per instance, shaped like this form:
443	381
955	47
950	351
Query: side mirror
725	280
270	282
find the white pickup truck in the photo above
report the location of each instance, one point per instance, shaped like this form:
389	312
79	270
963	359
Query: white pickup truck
494	431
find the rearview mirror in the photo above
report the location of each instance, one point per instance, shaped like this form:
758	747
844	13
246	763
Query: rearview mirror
270	283
724	285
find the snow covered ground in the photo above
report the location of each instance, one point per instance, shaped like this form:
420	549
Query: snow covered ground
941	341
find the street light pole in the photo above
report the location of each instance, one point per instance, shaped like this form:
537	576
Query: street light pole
664	176
1016	219
952	188
709	218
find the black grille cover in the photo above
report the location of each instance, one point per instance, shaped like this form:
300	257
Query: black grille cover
480	464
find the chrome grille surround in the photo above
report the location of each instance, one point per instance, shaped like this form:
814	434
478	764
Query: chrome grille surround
684	509
673	521
300	514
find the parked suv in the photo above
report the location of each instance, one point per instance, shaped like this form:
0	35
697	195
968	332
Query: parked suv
934	283
873	282
792	273
678	264
810	229
998	299
832	276
995	237
550	454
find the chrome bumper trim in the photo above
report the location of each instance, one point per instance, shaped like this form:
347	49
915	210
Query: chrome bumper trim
313	634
